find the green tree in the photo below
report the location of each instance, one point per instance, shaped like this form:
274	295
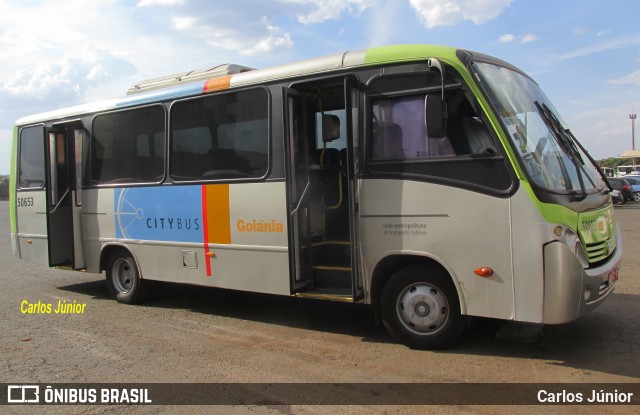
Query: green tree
4	187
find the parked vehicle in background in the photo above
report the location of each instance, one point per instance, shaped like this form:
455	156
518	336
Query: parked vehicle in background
635	186
608	171
624	171
617	197
623	185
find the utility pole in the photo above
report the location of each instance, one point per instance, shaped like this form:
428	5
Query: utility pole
632	117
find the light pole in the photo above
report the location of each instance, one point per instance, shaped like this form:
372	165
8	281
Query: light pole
632	117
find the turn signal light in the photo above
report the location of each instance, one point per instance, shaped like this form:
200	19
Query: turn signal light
484	272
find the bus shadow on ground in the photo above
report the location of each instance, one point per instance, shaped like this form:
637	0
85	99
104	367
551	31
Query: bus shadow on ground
628	206
581	344
584	344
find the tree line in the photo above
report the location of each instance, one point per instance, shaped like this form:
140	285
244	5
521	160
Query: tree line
4	187
615	162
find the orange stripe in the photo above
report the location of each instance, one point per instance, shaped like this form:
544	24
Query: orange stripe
218	216
217	84
207	258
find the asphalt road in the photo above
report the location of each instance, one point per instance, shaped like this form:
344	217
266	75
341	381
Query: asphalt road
192	334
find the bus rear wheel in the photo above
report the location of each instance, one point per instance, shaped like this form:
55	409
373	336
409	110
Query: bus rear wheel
123	279
420	307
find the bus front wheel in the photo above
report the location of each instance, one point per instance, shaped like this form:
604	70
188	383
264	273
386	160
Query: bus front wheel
420	307
123	278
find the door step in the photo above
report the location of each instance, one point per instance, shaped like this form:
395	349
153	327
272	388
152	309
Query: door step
328	293
332	276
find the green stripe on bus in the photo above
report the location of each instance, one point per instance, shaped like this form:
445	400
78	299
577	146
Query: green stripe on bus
12	181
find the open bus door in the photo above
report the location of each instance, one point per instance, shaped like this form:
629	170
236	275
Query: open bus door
351	97
298	189
63	144
322	120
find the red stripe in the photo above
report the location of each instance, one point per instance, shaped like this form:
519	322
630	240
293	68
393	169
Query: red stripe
207	258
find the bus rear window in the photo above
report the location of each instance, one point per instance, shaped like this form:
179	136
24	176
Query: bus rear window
31	158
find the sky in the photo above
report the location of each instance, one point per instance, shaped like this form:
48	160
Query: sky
585	54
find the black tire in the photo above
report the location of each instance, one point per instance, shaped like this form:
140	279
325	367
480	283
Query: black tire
123	279
420	308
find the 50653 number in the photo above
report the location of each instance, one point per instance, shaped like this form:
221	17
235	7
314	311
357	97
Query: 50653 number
24	201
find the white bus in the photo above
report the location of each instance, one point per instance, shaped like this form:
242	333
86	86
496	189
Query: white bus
608	171
628	170
430	182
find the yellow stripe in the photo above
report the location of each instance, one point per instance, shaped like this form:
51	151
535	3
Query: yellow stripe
218	216
331	243
329	268
332	297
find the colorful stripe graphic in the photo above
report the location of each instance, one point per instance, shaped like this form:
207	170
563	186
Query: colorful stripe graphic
217	84
198	214
216	218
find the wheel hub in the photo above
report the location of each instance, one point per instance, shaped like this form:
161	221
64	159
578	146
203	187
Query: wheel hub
123	275
422	308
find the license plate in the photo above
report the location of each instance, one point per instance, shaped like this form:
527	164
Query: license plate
613	275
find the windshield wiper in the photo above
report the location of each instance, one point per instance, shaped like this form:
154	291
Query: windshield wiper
565	141
591	159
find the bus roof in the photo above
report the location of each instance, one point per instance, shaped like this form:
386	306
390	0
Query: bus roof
155	89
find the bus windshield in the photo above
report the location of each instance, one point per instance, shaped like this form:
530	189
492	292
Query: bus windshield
552	157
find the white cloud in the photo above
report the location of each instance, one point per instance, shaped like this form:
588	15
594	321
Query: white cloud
434	13
318	11
604	130
596	48
145	3
63	81
506	38
631	79
580	31
270	43
384	23
261	38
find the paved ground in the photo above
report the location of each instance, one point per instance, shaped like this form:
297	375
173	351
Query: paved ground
191	334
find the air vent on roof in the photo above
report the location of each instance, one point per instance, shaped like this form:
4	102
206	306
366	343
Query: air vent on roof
186	77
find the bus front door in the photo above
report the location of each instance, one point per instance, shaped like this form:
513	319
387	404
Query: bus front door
322	184
298	189
63	146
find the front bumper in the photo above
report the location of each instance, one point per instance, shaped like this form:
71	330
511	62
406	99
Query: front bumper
571	291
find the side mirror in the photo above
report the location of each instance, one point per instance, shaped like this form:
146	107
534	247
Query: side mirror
435	110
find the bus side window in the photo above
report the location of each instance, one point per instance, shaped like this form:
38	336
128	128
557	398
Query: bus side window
399	131
121	150
220	137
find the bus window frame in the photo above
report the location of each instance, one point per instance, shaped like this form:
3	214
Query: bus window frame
19	161
169	140
463	159
90	182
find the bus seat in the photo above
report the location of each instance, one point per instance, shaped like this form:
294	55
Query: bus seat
331	157
387	142
478	137
330	127
441	147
